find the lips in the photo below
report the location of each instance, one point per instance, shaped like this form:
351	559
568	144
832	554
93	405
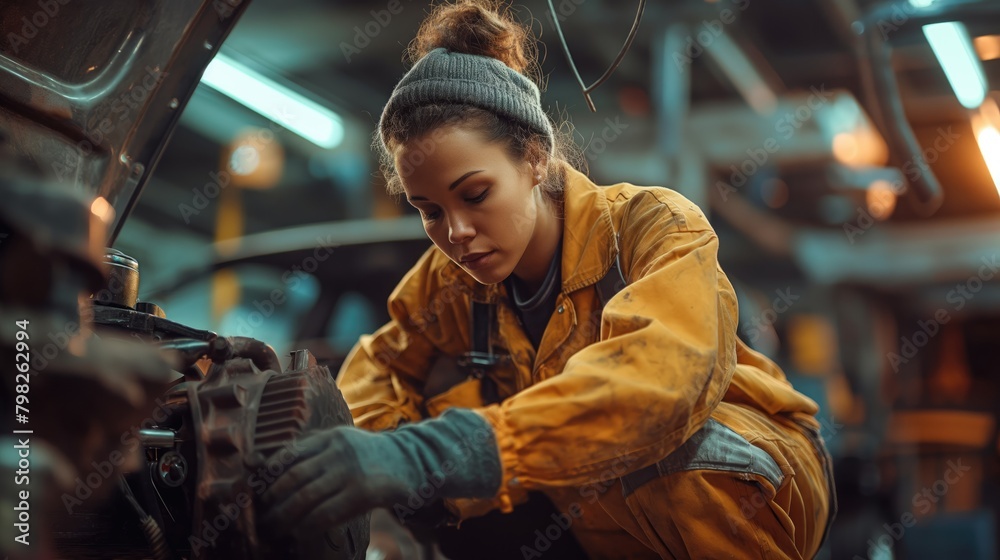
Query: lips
473	256
474	261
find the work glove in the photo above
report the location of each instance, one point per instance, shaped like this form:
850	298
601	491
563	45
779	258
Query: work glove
344	471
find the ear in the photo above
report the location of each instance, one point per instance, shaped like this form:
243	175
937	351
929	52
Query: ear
540	169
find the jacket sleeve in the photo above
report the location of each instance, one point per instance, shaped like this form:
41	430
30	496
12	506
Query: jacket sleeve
383	376
664	360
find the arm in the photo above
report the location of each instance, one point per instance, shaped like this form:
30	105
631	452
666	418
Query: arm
346	471
665	358
383	376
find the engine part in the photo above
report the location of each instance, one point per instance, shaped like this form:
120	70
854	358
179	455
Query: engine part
204	443
248	421
215	443
49	258
123	280
164	439
173	469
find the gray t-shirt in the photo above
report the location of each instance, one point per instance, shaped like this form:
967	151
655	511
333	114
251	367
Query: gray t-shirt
536	310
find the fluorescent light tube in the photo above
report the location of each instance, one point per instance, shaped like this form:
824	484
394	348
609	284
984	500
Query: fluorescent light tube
277	102
989	144
984	126
953	49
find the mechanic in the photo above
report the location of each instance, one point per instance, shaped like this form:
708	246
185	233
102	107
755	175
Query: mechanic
559	338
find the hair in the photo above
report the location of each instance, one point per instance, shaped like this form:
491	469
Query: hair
485	28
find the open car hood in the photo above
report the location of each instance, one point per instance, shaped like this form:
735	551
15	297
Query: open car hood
90	92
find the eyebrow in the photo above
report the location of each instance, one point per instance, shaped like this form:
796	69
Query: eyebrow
454	185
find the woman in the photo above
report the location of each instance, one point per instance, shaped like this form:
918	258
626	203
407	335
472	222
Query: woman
594	335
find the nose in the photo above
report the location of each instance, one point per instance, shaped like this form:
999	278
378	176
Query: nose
460	229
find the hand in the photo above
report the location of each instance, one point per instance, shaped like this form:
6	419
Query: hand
327	484
343	472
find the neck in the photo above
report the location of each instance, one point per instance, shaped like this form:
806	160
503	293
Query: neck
541	249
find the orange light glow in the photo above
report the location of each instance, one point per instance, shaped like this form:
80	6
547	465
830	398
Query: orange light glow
102	210
987	46
989	143
860	147
880	199
845	148
255	159
985	124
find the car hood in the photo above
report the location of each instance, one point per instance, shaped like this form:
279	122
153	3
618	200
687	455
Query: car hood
90	92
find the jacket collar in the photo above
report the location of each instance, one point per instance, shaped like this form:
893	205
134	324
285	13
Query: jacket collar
589	244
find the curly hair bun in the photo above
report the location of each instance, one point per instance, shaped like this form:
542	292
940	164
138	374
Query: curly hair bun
481	27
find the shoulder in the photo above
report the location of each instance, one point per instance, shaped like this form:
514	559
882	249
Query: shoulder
655	223
636	206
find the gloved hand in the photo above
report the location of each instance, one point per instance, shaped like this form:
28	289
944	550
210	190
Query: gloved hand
344	472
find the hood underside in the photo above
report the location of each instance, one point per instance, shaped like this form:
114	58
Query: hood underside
90	92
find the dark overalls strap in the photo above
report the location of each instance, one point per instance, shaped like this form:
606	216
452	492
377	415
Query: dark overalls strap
482	326
483	318
481	359
611	283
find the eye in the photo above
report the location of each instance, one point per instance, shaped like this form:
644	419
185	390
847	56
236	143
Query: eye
430	216
477	199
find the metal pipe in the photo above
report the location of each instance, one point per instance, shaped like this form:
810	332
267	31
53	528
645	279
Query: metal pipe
161	439
262	355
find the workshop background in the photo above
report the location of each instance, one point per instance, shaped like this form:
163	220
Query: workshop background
846	151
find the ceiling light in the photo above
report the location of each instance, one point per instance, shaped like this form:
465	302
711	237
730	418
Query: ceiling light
953	48
989	143
985	123
988	46
275	101
852	137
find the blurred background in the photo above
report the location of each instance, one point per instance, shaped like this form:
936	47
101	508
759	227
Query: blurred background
846	151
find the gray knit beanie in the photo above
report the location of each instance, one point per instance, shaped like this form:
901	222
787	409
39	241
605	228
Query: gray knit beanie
442	76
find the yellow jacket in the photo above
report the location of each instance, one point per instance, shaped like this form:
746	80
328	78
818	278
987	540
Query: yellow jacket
605	390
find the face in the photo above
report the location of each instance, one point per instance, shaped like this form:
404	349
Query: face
478	206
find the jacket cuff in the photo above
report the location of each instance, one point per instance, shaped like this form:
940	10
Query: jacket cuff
505	500
511	490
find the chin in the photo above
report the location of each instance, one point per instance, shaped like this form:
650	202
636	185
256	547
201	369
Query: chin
490	275
487	278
